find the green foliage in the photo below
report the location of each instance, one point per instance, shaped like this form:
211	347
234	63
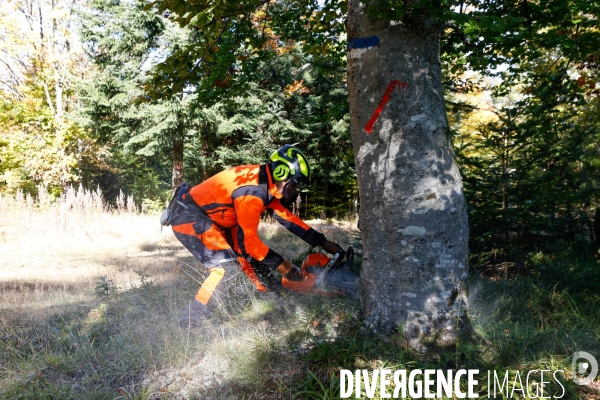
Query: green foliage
122	39
145	393
294	108
530	174
41	388
537	44
38	145
313	388
317	25
288	97
104	288
502	32
224	83
35	147
233	39
223	32
539	320
259	88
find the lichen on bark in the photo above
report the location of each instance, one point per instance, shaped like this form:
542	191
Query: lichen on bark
413	215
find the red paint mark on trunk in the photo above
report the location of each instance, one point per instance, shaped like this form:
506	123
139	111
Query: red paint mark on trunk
395	84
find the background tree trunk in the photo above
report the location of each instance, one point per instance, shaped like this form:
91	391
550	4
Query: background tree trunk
413	214
178	145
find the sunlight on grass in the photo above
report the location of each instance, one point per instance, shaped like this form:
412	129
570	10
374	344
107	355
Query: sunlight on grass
91	297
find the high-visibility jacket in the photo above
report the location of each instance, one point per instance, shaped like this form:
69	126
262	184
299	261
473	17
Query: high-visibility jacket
237	197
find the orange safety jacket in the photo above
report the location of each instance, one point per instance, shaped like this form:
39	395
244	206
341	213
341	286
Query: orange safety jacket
237	197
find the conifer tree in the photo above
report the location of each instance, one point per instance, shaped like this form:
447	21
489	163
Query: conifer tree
123	40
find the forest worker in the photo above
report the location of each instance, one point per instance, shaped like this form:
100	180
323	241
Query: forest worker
220	226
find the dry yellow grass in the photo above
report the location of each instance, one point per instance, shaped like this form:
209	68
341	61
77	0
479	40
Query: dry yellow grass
66	246
76	240
59	339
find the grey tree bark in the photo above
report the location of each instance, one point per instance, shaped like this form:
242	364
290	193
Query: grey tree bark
413	215
178	147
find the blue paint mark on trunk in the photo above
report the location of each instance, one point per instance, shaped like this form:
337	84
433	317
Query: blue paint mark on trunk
360	43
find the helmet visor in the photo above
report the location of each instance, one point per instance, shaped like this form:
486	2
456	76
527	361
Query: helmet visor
291	189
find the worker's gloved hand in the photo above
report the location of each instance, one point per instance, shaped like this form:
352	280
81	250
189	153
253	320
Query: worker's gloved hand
289	271
333	248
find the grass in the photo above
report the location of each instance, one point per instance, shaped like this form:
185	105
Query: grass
91	298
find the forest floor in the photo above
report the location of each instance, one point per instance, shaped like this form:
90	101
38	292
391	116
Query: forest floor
91	299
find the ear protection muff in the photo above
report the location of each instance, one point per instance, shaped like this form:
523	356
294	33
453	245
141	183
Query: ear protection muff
281	173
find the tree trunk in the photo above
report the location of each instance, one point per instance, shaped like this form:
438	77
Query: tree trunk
59	97
177	177
597	226
413	215
49	98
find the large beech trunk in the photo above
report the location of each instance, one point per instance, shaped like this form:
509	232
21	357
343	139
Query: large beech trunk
413	215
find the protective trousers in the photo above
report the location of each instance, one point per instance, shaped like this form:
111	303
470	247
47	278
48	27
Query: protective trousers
218	250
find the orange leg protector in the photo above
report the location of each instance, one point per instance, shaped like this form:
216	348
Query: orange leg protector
249	271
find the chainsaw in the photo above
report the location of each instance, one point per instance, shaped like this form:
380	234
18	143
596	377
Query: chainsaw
328	276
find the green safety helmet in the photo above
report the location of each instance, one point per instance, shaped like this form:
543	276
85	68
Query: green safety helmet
287	162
